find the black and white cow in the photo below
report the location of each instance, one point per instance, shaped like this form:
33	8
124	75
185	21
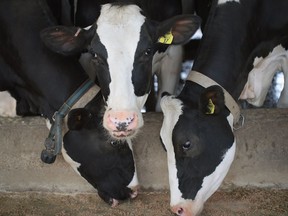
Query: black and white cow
197	130
41	81
122	41
37	78
106	164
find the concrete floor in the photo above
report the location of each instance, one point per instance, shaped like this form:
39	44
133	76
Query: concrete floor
235	202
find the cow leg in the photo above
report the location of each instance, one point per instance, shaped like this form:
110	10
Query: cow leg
7	105
169	73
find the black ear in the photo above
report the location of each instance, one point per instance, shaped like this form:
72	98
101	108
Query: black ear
66	40
212	100
78	119
178	29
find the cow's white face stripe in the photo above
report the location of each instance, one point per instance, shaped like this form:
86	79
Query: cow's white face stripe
114	37
172	109
225	1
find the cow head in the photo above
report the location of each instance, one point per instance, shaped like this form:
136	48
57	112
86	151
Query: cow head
200	148
122	43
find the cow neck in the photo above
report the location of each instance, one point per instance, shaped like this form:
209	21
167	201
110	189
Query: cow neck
71	101
205	81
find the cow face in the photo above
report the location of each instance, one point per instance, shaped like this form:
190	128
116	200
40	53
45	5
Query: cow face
200	148
122	43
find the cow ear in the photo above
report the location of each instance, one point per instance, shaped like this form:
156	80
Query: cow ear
178	29
65	40
212	100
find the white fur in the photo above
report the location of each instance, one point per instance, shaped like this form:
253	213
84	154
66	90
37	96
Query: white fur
48	124
225	1
134	182
260	77
7	105
171	108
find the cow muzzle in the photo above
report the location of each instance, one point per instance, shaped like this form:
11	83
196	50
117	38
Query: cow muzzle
121	124
188	208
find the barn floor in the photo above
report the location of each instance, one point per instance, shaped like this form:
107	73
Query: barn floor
238	202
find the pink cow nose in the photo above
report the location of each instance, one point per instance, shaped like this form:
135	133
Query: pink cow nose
181	210
121	124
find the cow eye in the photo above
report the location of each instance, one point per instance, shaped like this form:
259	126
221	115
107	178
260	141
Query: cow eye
148	52
96	59
186	145
95	56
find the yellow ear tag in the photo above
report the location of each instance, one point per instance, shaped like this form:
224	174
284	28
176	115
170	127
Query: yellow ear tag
166	39
210	107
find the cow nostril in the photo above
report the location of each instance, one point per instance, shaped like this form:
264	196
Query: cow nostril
180	211
125	122
122	126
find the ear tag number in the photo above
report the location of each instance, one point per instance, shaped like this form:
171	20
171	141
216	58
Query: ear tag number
166	39
210	107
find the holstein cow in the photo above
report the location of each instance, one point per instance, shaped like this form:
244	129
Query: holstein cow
197	130
122	41
42	81
37	78
106	164
167	62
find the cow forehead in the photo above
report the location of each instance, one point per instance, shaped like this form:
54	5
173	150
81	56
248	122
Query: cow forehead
172	110
119	28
